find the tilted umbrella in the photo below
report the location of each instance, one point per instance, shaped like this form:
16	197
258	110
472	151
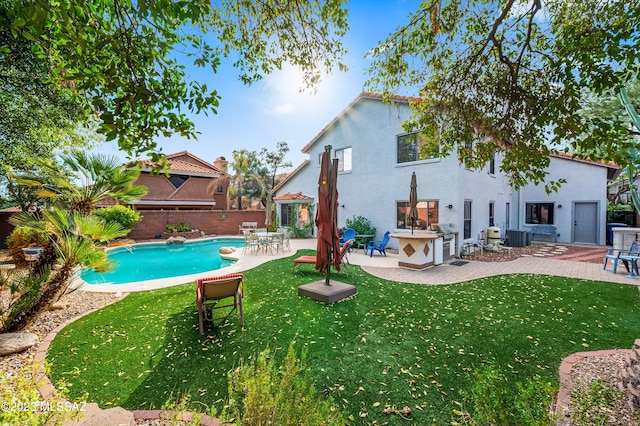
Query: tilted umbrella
413	201
328	247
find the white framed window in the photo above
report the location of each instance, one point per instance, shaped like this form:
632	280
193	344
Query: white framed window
344	159
415	147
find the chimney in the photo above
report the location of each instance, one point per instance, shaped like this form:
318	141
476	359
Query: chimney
221	163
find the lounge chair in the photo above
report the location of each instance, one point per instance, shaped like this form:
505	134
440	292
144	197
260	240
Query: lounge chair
629	258
312	259
216	289
378	245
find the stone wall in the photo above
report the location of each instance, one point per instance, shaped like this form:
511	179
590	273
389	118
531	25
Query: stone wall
629	377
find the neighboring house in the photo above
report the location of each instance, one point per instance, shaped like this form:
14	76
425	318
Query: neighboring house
186	187
376	158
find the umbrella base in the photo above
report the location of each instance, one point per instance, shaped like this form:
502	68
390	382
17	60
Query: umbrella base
327	294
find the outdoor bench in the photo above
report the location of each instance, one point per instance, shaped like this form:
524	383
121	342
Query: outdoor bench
248	226
544	230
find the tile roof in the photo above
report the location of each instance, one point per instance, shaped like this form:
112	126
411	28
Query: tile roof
292	197
199	166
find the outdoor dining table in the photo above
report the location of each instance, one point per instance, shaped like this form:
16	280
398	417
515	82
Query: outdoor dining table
362	240
266	240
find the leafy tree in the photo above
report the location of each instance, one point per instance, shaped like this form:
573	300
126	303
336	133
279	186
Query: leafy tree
275	160
127	58
36	117
511	76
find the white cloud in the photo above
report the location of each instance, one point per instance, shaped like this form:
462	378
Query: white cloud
282	109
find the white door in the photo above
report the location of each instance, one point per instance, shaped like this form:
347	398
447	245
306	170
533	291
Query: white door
585	223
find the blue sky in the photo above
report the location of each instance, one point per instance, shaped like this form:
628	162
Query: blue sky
273	110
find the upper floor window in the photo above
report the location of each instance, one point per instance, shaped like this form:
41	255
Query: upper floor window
344	159
415	147
539	213
177	180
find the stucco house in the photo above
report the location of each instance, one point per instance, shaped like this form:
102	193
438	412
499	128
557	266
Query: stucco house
376	158
186	186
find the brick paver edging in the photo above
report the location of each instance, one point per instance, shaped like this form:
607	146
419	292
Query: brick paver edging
562	400
46	388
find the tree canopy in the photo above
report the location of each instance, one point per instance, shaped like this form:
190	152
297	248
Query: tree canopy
513	76
127	60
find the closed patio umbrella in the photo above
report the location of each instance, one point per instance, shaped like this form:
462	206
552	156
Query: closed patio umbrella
413	201
328	246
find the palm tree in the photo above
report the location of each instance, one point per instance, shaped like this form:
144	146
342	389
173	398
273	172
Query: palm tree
100	177
73	233
74	237
242	173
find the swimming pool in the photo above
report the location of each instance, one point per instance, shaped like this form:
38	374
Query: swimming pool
153	261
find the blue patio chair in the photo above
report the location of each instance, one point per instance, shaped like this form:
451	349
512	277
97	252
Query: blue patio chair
629	258
348	234
378	245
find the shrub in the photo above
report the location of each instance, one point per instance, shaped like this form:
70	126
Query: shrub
361	225
496	403
23	405
120	214
20	238
591	406
28	289
262	394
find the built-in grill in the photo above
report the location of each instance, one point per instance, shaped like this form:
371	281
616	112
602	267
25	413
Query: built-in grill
447	235
445	229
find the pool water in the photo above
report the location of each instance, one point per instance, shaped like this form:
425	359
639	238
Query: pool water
154	261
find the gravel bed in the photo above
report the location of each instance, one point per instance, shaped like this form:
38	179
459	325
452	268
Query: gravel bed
606	368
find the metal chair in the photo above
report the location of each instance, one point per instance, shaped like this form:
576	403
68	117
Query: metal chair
216	289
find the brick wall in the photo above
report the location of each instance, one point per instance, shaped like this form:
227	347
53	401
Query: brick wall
218	222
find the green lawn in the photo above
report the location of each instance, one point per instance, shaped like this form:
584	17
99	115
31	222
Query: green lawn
394	343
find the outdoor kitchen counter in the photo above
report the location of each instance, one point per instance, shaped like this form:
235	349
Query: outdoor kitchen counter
419	250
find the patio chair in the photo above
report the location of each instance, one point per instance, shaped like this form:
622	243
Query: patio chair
629	258
312	259
215	290
378	245
348	234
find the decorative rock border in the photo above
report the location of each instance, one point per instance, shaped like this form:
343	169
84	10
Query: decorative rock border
92	413
629	377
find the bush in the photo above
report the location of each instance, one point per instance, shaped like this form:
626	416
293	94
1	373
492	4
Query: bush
120	214
24	404
22	238
361	225
496	403
591	406
263	394
28	289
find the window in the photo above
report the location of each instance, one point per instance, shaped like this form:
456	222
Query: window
467	219
539	213
286	213
344	159
492	165
428	213
219	189
492	209
177	181
415	147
